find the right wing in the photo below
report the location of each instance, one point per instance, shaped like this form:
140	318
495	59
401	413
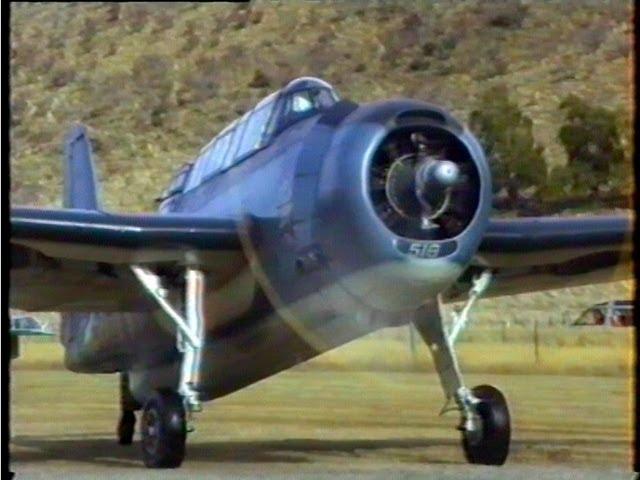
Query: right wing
542	253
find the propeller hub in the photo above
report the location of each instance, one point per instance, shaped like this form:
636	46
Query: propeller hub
424	183
437	174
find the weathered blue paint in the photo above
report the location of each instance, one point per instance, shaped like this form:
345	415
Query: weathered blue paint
117	230
81	189
307	264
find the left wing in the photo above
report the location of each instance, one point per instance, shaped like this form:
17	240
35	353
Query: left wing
70	260
541	253
78	258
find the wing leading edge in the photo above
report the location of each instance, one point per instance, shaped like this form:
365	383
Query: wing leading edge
68	260
98	232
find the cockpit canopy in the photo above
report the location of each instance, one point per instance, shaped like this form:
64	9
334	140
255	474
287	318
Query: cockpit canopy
301	98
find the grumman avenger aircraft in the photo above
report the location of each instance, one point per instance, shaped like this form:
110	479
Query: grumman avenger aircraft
305	224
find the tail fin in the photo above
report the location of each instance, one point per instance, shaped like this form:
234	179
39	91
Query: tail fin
80	186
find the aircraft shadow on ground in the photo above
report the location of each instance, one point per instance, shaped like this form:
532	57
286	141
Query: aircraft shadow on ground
106	451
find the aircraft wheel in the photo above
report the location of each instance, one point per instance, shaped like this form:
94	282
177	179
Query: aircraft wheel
164	431
126	427
491	447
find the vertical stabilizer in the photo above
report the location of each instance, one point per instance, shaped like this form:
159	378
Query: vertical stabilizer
80	186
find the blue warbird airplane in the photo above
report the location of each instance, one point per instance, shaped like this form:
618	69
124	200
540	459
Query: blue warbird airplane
303	225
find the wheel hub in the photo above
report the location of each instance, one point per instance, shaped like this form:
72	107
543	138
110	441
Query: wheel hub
150	431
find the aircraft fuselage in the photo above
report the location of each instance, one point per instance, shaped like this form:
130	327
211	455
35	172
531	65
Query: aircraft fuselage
319	267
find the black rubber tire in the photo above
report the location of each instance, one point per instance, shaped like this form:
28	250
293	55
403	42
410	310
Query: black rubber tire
493	447
126	427
164	431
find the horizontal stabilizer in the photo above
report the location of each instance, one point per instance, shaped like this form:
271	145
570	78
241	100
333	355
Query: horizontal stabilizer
25	327
28	326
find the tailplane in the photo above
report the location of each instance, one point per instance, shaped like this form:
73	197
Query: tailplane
80	185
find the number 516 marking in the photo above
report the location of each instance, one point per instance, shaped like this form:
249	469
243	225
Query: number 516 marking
424	250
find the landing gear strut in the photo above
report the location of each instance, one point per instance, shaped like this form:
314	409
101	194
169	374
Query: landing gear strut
485	422
164	420
128	406
126	427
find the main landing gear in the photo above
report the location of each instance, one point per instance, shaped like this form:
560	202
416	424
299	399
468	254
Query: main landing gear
128	406
165	416
164	432
485	422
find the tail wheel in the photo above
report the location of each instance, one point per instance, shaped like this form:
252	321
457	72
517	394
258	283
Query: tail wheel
164	431
492	446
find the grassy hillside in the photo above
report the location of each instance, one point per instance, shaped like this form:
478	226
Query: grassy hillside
155	81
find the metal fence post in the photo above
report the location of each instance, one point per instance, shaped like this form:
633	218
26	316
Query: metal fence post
536	340
412	342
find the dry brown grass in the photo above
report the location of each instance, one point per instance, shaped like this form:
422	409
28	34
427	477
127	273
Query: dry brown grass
80	62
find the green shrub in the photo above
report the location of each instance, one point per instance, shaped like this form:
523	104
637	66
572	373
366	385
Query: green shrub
136	16
517	161
595	156
61	75
87	33
153	88
509	15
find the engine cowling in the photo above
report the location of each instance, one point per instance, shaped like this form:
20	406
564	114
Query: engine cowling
385	208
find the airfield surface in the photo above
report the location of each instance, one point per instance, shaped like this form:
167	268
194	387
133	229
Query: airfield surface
309	423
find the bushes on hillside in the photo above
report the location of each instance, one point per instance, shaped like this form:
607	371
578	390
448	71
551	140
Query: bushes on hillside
596	140
509	15
153	89
517	161
594	145
157	82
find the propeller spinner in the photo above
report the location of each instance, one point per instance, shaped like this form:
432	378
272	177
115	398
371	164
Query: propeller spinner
423	191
